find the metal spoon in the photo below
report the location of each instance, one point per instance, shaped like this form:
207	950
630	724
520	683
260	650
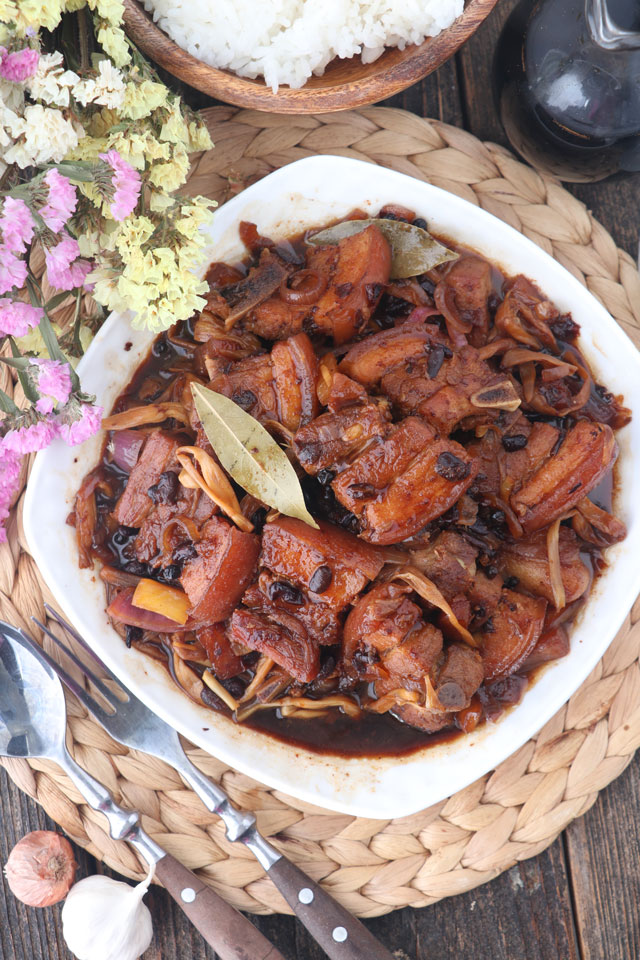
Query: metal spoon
33	723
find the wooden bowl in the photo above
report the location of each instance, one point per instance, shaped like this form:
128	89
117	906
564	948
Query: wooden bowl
344	84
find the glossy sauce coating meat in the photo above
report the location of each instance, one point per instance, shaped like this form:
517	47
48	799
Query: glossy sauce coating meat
450	443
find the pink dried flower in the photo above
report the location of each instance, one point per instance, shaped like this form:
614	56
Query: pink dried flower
20	65
125	182
61	202
13	272
9	480
78	422
16	225
28	439
53	383
64	271
17	318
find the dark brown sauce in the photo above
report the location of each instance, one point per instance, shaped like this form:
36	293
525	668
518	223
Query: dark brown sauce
335	733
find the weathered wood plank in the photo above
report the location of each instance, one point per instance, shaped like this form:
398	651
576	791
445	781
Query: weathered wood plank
603	854
523	915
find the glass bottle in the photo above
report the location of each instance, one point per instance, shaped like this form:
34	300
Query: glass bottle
567	79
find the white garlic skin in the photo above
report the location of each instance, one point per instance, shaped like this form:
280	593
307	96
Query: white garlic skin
104	919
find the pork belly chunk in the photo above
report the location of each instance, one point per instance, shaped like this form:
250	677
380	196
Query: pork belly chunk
588	451
314	574
399	485
224	565
353	274
156	456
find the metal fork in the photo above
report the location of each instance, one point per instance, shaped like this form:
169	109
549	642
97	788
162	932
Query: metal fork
340	934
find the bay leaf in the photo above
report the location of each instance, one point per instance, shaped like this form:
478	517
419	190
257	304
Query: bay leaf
413	250
249	454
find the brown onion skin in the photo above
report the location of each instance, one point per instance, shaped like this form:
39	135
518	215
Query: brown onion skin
41	868
311	286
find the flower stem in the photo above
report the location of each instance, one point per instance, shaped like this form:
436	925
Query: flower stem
77	345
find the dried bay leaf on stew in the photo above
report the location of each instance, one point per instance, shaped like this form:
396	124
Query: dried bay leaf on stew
249	454
413	250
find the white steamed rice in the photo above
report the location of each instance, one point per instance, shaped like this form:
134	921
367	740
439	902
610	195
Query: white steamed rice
285	41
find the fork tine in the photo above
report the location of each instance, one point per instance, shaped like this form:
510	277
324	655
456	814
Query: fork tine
85	646
97	682
92	705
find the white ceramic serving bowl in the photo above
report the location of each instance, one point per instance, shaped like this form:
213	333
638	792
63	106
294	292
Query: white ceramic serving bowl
307	193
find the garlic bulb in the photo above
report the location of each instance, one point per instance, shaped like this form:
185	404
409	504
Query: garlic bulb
104	919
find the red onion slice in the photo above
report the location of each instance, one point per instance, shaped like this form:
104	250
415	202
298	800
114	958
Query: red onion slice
125	448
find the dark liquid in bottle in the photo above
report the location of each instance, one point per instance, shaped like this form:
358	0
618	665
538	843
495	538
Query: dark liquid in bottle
569	106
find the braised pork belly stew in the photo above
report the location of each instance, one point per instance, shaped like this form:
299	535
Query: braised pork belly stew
453	451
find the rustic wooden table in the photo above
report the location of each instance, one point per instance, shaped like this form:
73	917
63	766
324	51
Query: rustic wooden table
576	901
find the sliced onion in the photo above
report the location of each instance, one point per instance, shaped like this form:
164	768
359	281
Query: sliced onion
216	687
188	526
555	569
444	297
528	379
303	287
496	346
432	701
262	671
421	313
515	527
428	591
518	355
348	704
125	446
596	525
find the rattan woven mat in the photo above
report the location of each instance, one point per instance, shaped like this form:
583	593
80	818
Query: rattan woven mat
371	866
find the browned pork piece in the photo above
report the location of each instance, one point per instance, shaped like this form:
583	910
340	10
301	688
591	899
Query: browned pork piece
246	294
385	636
423	373
156	456
585	455
278	386
335	437
334	294
224	565
397	486
450	562
370	359
506	457
312	574
387	641
464	293
511	632
281	637
177	516
528	560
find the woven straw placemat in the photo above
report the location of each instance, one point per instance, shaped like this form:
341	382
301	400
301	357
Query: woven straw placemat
371	866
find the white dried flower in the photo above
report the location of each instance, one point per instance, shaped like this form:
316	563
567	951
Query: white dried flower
11	94
42	134
51	82
107	89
